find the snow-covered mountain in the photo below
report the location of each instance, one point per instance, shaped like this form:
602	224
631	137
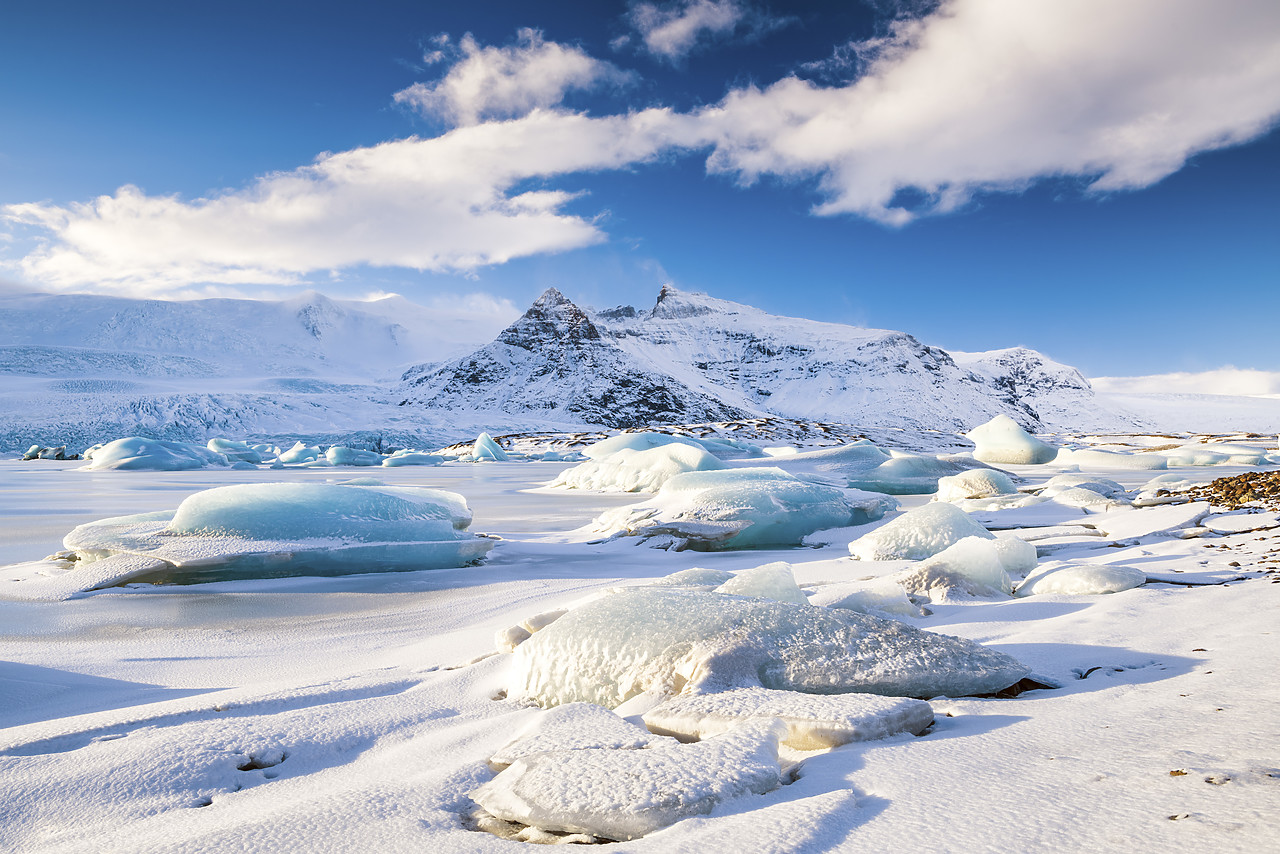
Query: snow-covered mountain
696	358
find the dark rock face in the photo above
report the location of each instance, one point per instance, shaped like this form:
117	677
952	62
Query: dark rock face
554	363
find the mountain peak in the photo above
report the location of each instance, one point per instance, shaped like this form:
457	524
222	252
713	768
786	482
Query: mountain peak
674	303
552	317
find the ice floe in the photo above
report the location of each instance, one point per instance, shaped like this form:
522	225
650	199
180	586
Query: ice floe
771	581
139	453
629	470
274	530
740	508
1082	579
667	640
1098	459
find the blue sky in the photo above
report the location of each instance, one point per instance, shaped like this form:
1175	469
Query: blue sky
1094	180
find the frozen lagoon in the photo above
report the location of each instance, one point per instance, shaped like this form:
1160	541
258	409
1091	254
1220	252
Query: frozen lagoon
324	713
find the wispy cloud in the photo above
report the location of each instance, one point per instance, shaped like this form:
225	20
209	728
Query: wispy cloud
672	31
506	82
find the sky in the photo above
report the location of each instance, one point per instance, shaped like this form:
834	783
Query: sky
1096	179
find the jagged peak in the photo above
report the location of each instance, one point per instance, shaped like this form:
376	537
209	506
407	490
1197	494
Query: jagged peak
552	316
673	303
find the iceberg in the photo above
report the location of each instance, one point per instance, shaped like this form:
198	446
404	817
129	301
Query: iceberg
740	508
137	453
300	453
270	530
880	597
970	566
412	458
339	455
910	474
707	579
814	722
236	451
667	641
485	448
1223	453
629	470
626	794
918	534
1002	440
642	441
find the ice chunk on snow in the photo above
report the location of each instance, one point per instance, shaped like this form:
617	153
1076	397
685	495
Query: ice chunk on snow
1083	579
339	455
1132	524
837	464
661	639
1084	498
771	581
975	483
235	451
741	508
300	453
1096	458
642	441
910	474
637	471
813	722
575	726
138	453
412	458
880	597
487	449
282	529
1223	453
1060	483
970	566
625	794
1002	440
918	533
1016	554
707	578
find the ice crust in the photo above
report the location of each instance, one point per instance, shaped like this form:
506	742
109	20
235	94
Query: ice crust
1002	440
918	534
911	474
667	640
880	597
628	470
1082	579
575	726
741	508
282	529
626	794
813	722
139	453
1096	458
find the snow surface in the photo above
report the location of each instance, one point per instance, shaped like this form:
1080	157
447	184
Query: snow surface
360	713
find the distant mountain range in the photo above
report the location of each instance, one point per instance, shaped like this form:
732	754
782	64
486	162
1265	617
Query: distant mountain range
695	358
78	369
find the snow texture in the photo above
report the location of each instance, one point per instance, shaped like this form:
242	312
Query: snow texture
574	726
771	581
919	533
975	483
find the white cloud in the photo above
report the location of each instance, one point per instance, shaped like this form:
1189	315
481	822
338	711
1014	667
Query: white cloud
430	204
672	31
1228	380
990	95
505	82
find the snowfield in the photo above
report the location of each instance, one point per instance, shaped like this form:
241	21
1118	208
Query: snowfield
395	711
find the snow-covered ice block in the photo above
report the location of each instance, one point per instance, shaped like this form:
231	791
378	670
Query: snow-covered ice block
575	726
628	470
282	529
641	441
1149	521
1002	440
666	640
1016	554
485	448
235	451
837	464
339	455
970	566
1082	579
771	581
1241	523
626	794
57	580
975	483
814	722
137	453
1084	498
1096	458
918	533
412	458
740	508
